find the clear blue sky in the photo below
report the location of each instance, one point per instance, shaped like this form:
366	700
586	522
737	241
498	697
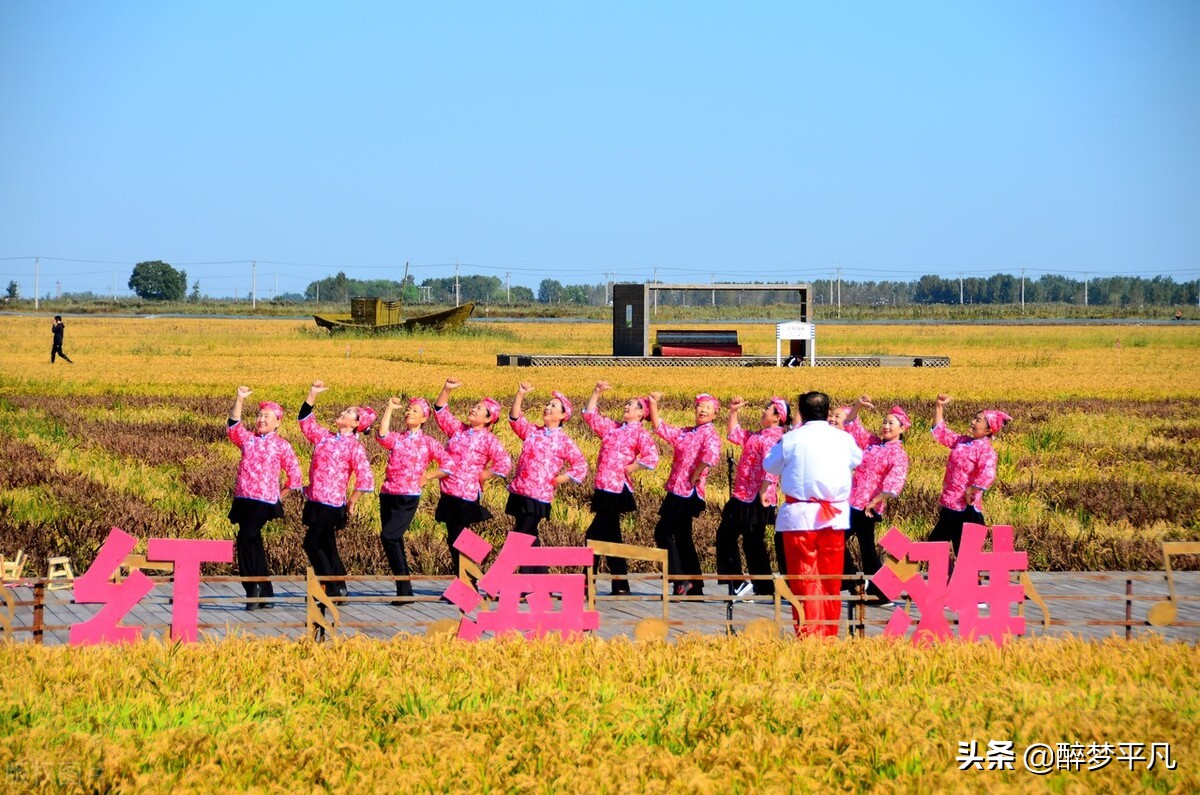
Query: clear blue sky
566	140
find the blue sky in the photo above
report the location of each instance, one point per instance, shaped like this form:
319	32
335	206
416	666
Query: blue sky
569	140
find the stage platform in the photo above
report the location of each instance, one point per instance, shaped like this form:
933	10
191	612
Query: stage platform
590	360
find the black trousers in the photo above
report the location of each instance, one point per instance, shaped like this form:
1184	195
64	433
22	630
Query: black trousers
950	523
862	527
606	526
746	522
251	516
57	349
396	512
674	534
528	524
320	543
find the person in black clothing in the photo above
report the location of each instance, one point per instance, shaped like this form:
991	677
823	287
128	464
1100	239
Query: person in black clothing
57	328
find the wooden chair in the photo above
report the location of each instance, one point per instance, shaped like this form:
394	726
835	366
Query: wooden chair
59	568
13	569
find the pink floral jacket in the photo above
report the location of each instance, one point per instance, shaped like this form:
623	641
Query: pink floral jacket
883	470
750	475
263	458
697	443
543	455
409	454
334	458
972	462
471	452
620	445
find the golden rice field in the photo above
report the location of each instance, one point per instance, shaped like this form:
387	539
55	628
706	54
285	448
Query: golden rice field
1097	470
708	715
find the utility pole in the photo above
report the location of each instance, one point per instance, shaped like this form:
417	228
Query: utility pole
456	291
1085	296
831	292
318	292
960	290
507	288
37	272
57	290
839	278
656	292
253	284
1022	291
713	280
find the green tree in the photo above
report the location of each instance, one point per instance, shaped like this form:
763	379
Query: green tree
14	290
550	291
195	296
155	280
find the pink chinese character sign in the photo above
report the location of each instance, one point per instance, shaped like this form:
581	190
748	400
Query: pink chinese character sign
962	592
508	581
94	587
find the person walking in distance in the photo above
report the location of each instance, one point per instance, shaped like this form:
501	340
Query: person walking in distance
57	349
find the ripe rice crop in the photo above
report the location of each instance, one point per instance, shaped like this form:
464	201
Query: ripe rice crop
707	714
1097	470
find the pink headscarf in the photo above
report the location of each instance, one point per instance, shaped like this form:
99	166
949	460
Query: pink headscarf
704	396
421	403
995	419
905	422
493	407
781	408
366	418
268	405
568	410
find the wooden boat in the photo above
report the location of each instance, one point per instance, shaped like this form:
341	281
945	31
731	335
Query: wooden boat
375	314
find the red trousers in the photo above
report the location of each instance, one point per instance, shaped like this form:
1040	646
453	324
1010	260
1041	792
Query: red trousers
811	552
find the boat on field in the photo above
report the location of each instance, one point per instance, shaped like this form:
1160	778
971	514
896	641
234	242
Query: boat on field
377	315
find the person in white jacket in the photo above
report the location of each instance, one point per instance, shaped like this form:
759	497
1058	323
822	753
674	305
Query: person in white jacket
814	462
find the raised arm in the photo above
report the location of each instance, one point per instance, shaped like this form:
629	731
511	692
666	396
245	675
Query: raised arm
863	402
653	399
594	401
518	404
444	396
235	413
938	409
385	425
735	405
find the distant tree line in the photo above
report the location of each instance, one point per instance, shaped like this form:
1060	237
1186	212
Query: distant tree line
157	280
1001	288
1004	288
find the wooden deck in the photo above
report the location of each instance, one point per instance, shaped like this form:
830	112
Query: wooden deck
1087	604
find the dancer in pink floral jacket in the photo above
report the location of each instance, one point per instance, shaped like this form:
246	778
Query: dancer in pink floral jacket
548	459
879	478
265	454
624	449
695	450
337	455
970	470
477	455
409	456
752	501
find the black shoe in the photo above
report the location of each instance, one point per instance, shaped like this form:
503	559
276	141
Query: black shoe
253	591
